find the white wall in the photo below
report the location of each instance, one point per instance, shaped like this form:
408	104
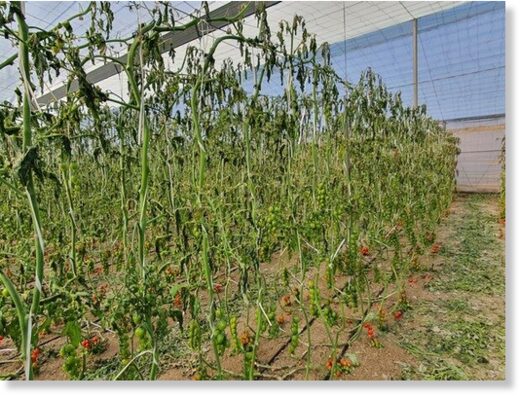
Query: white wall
479	167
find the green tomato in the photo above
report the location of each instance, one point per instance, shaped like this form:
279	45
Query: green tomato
5	293
221	326
220	339
68	349
70	362
139	332
136	318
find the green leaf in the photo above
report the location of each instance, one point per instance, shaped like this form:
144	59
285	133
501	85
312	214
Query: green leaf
25	164
73	331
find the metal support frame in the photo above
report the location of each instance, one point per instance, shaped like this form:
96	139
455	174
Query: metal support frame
415	63
169	41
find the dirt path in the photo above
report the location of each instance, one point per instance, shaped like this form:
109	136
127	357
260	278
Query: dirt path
455	327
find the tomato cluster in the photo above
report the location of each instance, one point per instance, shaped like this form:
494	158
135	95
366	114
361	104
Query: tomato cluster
295	334
219	333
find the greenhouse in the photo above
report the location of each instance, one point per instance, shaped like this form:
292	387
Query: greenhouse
278	190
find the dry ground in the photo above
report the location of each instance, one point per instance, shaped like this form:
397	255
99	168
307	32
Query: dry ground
454	327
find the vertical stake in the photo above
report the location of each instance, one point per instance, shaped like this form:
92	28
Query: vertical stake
415	64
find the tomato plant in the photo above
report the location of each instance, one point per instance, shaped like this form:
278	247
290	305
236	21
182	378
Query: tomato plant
200	212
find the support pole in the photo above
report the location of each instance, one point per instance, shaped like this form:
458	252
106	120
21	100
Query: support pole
345	38
415	64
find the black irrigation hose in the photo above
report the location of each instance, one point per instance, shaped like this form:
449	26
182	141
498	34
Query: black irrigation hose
311	321
352	333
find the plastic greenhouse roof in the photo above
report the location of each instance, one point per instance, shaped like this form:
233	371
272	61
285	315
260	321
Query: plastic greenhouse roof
461	46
